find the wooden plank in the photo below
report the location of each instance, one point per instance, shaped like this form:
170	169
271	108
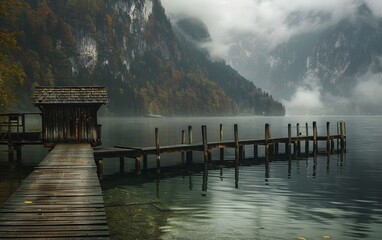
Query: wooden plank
61	198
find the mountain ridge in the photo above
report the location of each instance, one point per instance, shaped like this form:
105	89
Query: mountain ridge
130	47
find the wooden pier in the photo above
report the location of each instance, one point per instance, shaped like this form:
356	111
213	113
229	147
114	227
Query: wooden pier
61	198
271	146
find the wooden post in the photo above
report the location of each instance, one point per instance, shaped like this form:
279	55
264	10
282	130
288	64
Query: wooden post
298	133
205	144
121	164
266	141
157	149
328	145
269	136
221	140
236	137
306	141
99	163
288	145
189	153
315	146
138	164
236	176
342	134
183	142
205	179
205	154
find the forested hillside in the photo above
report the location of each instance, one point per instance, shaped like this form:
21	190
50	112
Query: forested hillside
128	46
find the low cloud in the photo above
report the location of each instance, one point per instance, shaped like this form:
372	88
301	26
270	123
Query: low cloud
270	21
368	91
304	102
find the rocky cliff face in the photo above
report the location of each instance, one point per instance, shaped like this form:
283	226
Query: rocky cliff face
339	66
130	47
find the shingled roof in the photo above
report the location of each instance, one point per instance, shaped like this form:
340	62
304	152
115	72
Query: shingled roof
70	95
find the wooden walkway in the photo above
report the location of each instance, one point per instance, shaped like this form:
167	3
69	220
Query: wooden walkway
271	146
61	198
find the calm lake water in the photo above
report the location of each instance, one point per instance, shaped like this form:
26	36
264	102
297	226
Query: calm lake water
335	197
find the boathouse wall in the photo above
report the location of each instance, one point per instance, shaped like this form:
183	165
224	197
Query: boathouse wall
69	114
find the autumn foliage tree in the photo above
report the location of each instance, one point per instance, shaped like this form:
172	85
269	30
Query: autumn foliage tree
11	71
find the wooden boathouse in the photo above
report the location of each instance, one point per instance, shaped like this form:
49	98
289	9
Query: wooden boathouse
62	197
69	114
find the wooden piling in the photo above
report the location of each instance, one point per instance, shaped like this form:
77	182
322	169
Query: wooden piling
267	135
236	138
307	141
99	163
221	140
138	159
183	141
328	144
157	150
342	134
205	144
298	134
315	145
288	144
189	153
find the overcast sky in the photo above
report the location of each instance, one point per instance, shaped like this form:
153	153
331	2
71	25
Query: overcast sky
269	20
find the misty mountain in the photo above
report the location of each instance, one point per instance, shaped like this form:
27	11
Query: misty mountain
332	69
130	47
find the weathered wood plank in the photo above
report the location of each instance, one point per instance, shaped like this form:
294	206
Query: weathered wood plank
61	198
